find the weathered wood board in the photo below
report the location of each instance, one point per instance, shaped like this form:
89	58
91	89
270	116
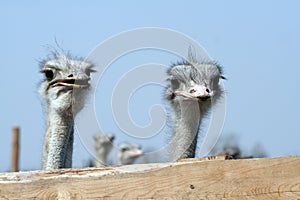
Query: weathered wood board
267	178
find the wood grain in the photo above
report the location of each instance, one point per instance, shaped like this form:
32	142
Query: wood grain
268	178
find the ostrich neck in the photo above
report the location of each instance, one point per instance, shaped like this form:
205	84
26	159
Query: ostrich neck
58	143
186	128
101	158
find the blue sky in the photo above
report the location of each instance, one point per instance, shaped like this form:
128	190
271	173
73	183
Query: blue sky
257	43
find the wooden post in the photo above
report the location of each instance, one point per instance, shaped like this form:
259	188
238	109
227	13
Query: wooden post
15	149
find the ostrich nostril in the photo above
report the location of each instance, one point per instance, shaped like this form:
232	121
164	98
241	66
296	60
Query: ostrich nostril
71	75
207	90
192	91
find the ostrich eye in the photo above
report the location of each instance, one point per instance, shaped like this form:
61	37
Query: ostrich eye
88	72
175	84
124	149
49	74
223	77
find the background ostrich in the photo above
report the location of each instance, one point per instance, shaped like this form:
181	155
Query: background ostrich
65	85
128	153
229	145
193	88
103	145
233	152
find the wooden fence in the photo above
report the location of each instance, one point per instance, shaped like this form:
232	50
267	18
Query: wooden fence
266	178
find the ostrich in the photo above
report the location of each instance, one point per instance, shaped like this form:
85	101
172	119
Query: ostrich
128	153
63	90
233	152
193	88
103	145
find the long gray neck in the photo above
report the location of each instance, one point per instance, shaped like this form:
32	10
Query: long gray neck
101	158
186	126
58	145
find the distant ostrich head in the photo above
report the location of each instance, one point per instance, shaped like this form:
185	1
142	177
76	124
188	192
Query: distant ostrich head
128	153
66	82
234	152
103	145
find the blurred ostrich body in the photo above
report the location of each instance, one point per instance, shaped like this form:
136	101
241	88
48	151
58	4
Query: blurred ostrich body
103	145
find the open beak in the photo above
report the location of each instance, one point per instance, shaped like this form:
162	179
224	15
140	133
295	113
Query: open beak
70	82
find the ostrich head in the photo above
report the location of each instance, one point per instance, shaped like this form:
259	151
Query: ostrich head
197	82
128	153
66	82
234	152
103	145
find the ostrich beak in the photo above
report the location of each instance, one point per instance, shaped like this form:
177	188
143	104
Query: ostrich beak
191	96
136	153
204	98
184	94
196	92
71	83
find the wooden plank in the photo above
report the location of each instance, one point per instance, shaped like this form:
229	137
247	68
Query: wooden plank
267	178
225	157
